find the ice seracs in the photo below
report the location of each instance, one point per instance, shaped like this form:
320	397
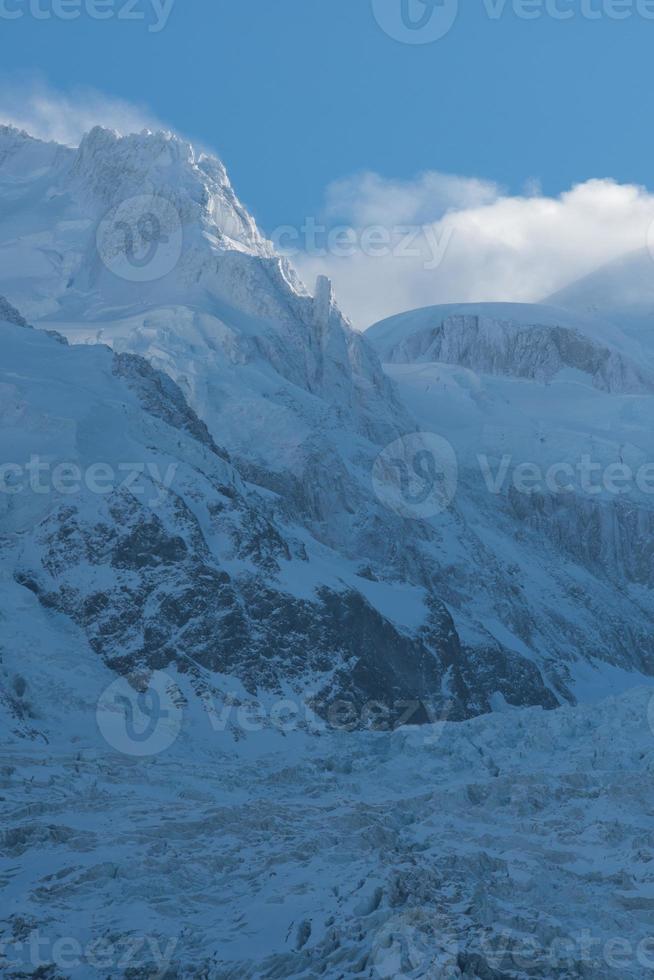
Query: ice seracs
187	492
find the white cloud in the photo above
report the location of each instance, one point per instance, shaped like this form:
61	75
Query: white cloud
65	117
469	241
368	199
476	244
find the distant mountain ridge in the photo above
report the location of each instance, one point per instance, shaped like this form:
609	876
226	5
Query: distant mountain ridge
512	340
623	285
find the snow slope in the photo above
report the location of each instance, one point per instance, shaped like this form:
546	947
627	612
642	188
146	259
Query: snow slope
519	386
298	399
622	293
523	590
621	286
520	340
261	569
518	845
138	530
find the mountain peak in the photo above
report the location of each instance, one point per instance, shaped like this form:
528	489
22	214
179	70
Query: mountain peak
140	242
151	143
623	285
11	134
323	301
22	154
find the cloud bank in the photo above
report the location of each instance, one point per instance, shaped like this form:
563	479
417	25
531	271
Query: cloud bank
471	242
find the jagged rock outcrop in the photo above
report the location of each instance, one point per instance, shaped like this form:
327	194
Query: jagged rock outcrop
535	351
551	426
224	349
9	314
180	564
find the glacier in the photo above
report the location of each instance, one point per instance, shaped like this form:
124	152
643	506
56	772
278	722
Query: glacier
385	741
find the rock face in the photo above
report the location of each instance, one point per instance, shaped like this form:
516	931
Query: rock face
261	552
177	562
490	345
9	314
553	396
199	499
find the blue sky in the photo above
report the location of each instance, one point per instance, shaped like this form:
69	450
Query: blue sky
296	93
319	111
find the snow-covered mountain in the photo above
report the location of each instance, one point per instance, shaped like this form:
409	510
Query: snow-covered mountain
219	497
621	293
543	393
303	408
534	342
624	285
298	400
163	556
